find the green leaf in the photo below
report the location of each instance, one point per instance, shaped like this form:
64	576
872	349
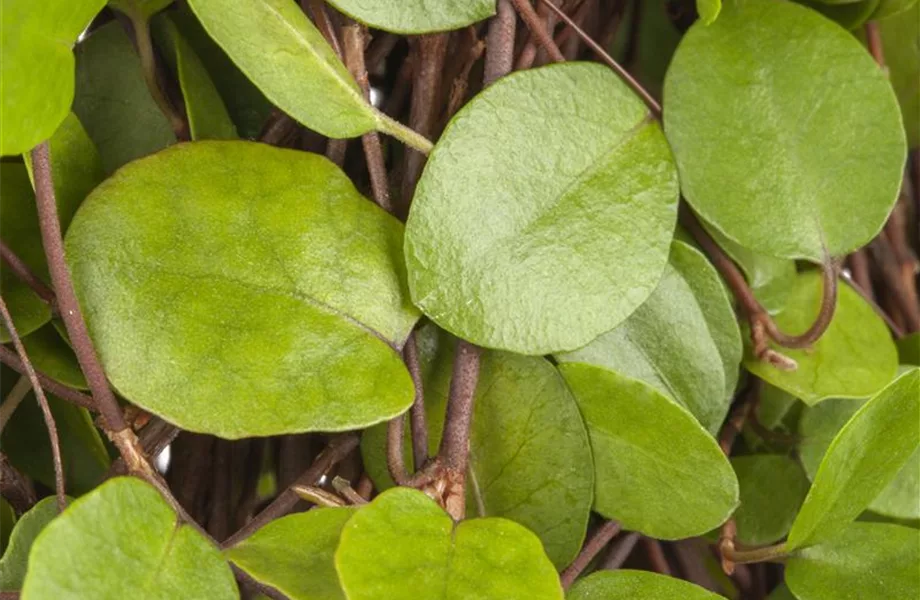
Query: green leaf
804	170
287	58
416	16
51	355
854	358
123	541
626	584
419	553
909	349
863	458
865	560
851	15
295	554
16	558
684	340
241	290
113	101
140	10
889	8
781	592
901	44
207	115
709	10
650	453
545	212
530	459
36	79
819	426
772	490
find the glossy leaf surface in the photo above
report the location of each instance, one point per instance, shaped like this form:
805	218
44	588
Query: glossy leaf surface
772	490
239	289
820	172
416	16
545	212
650	452
624	584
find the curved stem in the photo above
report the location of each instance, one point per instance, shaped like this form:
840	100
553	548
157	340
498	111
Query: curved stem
597	542
408	136
10	359
533	22
28	276
821	322
147	55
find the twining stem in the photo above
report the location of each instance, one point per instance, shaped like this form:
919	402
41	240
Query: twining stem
538	29
10	359
597	542
27	276
59	485
14	399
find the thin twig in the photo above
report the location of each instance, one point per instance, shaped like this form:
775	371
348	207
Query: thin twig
28	276
395	463
595	544
656	556
10	359
620	551
14	399
538	29
59	486
15	488
344	489
500	43
417	419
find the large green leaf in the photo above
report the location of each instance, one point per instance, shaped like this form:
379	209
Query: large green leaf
684	340
775	96
289	60
901	44
416	16
530	459
51	355
419	553
238	289
863	458
207	115
16	558
772	490
123	541
651	454
865	560
545	212
633	585
708	10
113	102
819	426
295	554
854	358
36	76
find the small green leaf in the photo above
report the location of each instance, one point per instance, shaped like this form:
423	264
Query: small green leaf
16	558
901	44
684	340
854	358
123	541
625	584
850	15
419	553
545	213
36	79
530	459
51	355
650	453
113	101
864	457
708	10
889	8
238	289
289	60
416	16
909	349
804	170
865	560
295	554
139	9
207	115
772	490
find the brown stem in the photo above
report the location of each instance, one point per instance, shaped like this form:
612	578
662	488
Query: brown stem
395	463
10	359
894	327
144	45
500	43
621	550
59	486
538	28
323	23
340	447
365	486
15	488
859	267
597	542
417	418
344	489
28	276
874	41
656	556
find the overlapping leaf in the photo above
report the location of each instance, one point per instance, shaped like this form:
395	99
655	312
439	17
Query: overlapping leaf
625	584
416	16
901	43
16	558
772	490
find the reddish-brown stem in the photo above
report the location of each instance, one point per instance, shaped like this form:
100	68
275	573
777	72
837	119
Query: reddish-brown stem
500	43
323	23
417	421
27	276
538	29
59	486
656	556
874	41
395	463
859	267
595	544
15	488
11	359
620	551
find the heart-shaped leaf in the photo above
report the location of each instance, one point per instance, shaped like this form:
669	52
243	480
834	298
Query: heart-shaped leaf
239	289
16	558
861	461
421	554
137	548
865	560
684	340
625	584
901	44
782	165
530	459
36	79
650	452
416	16
854	358
113	102
545	212
295	554
772	490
